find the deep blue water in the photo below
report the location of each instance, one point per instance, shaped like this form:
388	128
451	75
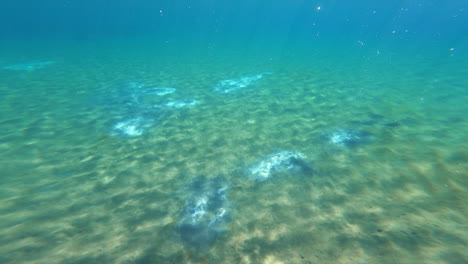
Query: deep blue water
238	21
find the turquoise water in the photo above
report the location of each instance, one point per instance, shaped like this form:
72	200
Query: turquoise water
233	132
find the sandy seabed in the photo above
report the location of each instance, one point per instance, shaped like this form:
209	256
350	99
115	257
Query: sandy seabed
73	192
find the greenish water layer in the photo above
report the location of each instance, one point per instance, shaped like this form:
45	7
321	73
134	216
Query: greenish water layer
74	191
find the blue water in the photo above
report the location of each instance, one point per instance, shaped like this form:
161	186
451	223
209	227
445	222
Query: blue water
233	131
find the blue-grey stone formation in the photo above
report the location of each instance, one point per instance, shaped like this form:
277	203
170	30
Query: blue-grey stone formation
136	108
278	162
28	66
348	137
205	214
232	85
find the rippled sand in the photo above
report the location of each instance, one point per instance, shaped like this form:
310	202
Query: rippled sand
74	192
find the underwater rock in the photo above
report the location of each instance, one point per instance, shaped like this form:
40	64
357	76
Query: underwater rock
231	85
355	131
29	66
137	110
180	104
278	162
160	90
205	213
135	85
392	124
371	119
133	127
348	138
136	91
140	107
364	122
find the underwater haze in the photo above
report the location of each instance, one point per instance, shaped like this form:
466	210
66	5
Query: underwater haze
247	131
